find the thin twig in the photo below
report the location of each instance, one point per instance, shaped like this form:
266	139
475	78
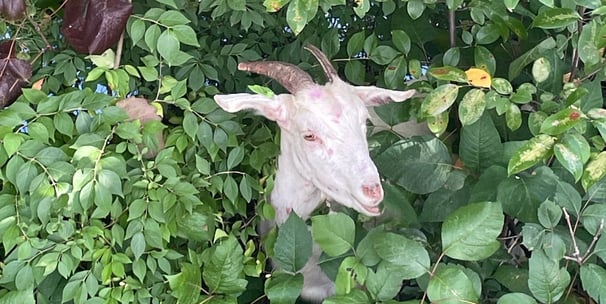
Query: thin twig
451	27
576	254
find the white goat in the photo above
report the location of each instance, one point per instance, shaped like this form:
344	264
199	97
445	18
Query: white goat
324	152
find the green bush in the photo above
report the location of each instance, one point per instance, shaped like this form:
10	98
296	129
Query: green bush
506	205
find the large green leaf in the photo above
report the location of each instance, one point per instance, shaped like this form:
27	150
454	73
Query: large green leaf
593	278
222	273
283	287
593	217
450	284
552	18
335	233
419	165
472	106
516	298
440	99
516	66
531	153
470	233
547	281
404	256
293	245
480	145
522	195
594	171
562	121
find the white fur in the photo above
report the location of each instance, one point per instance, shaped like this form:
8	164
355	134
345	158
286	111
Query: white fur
335	165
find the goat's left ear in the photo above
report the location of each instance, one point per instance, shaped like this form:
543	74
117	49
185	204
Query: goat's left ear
373	96
274	108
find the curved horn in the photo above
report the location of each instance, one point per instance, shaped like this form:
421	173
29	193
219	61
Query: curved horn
329	69
290	76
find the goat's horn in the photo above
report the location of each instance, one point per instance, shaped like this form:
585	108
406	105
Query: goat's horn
290	76
329	69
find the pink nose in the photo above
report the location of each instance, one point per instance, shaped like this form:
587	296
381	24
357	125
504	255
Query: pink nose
374	191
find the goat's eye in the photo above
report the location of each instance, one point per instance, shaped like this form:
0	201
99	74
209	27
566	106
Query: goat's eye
310	137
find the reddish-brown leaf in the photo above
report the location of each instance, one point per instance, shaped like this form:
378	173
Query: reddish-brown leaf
91	27
14	74
12	10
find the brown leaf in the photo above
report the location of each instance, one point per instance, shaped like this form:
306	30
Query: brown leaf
12	10
139	108
91	27
14	74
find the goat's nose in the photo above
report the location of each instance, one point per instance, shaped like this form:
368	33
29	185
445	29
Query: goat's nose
374	191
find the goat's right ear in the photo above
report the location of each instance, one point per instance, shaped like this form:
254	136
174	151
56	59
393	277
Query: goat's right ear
274	108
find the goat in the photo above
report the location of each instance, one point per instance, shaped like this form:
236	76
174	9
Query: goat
323	150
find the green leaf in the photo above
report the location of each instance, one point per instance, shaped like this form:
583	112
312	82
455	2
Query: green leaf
137	245
273	6
185	34
439	123
480	144
487	34
185	284
516	298
419	165
470	233
415	8
222	272
356	296
522	195
395	72
440	99
168	47
593	218
171	18
513	117
18	296
472	106
569	159
594	171
448	73
553	18
484	59
293	245
404	256
593	278
235	157
549	214
383	54
547	281
384	284
297	15
502	86
334	233
283	287
516	66
531	153
11	143
562	121
450	284
400	40
541	69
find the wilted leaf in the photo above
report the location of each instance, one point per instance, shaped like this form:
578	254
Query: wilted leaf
478	78
92	27
14	73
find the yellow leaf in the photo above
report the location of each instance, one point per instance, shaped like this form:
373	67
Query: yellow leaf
478	78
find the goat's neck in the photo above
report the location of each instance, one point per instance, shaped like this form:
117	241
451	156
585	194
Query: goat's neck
292	190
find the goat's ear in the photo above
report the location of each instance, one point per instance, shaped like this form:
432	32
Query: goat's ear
373	96
273	108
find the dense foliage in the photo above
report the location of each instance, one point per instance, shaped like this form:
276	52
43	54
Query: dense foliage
505	205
